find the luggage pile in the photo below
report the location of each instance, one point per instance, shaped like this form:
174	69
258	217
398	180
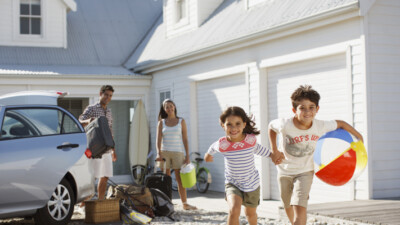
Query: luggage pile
140	204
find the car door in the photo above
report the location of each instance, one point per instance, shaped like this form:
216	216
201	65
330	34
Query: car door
38	145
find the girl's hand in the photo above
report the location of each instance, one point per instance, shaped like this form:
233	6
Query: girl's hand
277	157
208	158
159	157
187	160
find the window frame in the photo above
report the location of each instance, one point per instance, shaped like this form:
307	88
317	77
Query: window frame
56	108
17	36
180	21
30	16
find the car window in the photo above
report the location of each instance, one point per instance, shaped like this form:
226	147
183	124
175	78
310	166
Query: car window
32	122
21	123
13	127
68	124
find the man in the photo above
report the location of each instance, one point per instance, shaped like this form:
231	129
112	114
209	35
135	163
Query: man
103	168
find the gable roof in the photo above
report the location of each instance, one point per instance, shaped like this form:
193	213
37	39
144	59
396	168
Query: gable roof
229	22
101	33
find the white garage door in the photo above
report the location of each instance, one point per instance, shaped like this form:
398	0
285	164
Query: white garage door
329	77
213	97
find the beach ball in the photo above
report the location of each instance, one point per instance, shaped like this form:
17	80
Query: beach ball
339	158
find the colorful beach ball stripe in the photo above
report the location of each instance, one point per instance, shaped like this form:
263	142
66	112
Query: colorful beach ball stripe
338	158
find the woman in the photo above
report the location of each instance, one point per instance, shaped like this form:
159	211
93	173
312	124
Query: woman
172	145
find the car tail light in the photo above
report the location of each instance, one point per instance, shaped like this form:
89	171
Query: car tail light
88	153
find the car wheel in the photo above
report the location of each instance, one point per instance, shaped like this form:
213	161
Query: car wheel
59	209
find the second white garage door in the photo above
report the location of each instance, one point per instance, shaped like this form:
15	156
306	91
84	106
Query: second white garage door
213	97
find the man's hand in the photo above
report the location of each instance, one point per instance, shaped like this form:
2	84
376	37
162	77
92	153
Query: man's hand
114	155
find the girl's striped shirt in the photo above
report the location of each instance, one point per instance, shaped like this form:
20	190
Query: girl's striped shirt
240	167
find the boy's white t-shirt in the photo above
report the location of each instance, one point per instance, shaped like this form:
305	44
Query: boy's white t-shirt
298	145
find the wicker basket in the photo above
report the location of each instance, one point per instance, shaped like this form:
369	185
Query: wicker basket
102	211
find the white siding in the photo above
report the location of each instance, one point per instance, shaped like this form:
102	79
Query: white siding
383	48
53	25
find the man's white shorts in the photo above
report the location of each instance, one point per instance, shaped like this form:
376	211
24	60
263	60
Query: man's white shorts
103	167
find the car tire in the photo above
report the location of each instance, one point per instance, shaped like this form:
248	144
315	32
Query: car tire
59	209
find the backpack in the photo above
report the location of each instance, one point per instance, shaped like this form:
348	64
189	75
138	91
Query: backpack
162	204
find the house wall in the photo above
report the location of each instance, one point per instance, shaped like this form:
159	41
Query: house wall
383	49
346	34
53	25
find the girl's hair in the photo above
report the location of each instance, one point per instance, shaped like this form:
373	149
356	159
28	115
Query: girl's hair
162	114
237	111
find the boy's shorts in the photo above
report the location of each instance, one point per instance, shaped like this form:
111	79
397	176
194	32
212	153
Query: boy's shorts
249	199
174	160
295	189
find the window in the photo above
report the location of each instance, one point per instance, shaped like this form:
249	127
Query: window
164	95
23	123
68	124
30	19
181	10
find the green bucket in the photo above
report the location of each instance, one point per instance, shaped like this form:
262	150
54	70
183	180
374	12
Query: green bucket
188	179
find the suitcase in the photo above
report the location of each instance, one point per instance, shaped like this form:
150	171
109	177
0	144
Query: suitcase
99	137
160	181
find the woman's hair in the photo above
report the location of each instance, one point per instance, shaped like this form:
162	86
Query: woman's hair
237	111
162	114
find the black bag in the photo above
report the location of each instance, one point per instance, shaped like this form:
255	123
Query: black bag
99	137
160	181
162	204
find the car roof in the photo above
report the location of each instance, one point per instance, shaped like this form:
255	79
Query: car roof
31	98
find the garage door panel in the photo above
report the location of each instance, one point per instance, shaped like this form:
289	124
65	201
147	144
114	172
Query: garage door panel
214	96
327	75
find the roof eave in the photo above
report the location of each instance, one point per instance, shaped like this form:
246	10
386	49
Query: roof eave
347	11
71	4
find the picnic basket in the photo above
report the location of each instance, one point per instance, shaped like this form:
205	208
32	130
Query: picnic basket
102	211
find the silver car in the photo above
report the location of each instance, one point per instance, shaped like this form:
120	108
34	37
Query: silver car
43	167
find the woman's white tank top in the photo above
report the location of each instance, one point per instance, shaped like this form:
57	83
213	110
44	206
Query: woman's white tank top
172	137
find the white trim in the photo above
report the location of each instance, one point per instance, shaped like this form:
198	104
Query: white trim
349	74
263	109
365	6
71	4
307	55
193	118
367	102
221	73
75	76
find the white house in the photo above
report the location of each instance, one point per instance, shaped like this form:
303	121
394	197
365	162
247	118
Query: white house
209	54
253	53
